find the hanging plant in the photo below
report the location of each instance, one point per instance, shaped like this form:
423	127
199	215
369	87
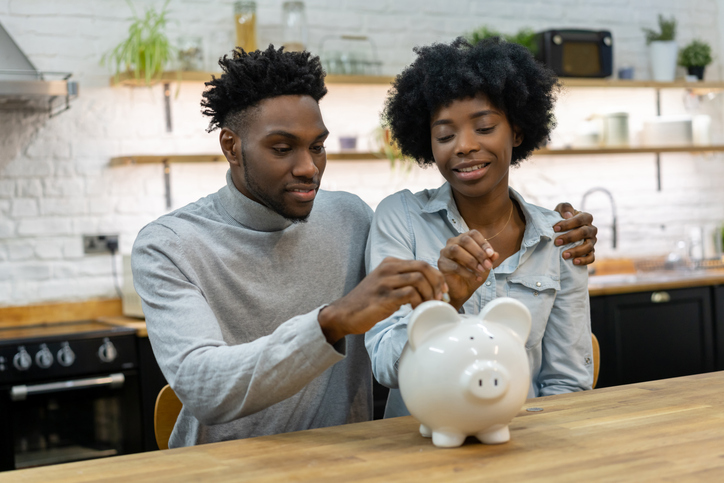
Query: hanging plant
146	50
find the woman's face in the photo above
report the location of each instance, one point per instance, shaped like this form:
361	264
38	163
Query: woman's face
472	142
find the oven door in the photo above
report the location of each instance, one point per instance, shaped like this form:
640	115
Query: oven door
59	421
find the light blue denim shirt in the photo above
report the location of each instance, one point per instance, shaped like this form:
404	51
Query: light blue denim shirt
416	226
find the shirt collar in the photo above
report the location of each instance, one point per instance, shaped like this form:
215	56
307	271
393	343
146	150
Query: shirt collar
536	225
248	212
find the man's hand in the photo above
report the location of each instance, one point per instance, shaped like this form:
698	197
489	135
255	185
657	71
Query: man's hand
581	227
391	285
465	261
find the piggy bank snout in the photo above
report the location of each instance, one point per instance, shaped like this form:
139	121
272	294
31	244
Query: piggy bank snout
486	380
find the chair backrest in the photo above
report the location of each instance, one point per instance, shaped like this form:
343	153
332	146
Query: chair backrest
596	359
165	414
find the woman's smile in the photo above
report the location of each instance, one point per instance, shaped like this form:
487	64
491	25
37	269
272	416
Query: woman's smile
470	171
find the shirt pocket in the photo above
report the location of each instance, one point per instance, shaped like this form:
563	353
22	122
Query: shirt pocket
429	260
537	292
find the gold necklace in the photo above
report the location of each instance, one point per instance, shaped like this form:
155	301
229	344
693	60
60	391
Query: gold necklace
506	223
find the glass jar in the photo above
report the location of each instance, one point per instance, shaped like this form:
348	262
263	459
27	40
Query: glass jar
190	54
294	23
245	21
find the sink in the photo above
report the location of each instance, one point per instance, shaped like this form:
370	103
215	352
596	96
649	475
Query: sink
613	279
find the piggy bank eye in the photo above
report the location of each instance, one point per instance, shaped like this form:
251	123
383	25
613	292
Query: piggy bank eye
471	337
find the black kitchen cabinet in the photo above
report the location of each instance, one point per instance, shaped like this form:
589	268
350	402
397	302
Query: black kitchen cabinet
718	296
152	380
655	335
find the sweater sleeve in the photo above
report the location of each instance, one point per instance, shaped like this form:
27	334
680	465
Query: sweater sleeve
217	382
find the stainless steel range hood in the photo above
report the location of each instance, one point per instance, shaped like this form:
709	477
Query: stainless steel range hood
25	88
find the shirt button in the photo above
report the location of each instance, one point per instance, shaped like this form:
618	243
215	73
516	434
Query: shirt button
588	360
454	220
537	284
535	294
488	283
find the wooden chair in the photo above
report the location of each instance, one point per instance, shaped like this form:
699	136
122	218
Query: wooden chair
596	359
165	414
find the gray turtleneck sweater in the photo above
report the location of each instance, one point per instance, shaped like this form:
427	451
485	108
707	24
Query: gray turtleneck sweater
231	292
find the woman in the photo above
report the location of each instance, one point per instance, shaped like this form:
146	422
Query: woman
475	111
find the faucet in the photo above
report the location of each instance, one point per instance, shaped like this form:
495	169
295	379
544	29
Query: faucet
613	207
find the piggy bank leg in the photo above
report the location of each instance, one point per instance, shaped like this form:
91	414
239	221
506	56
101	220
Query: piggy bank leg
496	435
446	439
425	431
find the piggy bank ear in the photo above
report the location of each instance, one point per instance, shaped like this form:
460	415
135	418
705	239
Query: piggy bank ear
510	313
427	318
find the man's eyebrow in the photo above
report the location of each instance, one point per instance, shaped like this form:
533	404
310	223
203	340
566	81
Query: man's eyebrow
294	137
474	115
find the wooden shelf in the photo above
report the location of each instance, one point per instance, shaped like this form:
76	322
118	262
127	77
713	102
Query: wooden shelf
127	79
216	158
630	150
361	156
623	83
171	158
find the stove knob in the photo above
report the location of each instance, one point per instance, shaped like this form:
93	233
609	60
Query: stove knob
22	360
107	352
66	356
44	358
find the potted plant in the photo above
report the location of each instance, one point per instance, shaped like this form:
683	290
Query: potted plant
695	57
663	49
525	37
146	50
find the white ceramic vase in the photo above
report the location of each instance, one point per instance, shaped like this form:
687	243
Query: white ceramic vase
663	60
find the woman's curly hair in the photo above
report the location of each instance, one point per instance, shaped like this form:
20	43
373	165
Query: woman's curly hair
506	73
250	77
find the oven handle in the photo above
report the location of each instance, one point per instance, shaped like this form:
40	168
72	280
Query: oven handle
19	393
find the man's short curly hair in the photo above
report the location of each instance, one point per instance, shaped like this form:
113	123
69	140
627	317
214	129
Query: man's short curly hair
250	77
506	73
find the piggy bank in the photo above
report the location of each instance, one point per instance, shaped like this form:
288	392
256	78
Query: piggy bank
463	375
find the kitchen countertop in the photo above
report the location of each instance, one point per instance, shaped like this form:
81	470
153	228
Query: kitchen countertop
656	280
661	430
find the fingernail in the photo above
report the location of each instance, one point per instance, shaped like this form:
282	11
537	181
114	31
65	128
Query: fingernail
446	298
480	279
559	242
556	228
566	255
488	265
577	262
489	251
480	268
567	215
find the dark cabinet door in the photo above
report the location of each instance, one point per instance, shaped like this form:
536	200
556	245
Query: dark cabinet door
718	293
654	335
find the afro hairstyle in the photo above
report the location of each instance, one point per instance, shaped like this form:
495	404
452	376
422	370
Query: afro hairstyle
250	77
513	81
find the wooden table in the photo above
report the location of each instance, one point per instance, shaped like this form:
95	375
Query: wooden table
668	430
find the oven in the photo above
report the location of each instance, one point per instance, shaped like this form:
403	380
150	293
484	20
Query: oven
68	392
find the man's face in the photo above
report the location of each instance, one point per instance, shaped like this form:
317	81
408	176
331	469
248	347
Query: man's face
279	159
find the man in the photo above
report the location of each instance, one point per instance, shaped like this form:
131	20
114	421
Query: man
255	302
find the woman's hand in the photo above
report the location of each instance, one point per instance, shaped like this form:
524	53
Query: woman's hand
579	226
465	261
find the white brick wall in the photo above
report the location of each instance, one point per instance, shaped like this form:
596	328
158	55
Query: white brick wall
56	185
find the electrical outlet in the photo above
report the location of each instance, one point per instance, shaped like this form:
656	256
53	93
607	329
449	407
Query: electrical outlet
100	244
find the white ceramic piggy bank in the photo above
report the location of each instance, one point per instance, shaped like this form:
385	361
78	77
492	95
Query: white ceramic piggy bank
463	375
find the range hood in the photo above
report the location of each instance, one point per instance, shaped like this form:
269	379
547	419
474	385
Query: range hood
25	88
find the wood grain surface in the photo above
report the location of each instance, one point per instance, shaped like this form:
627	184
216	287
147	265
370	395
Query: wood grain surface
60	312
668	430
